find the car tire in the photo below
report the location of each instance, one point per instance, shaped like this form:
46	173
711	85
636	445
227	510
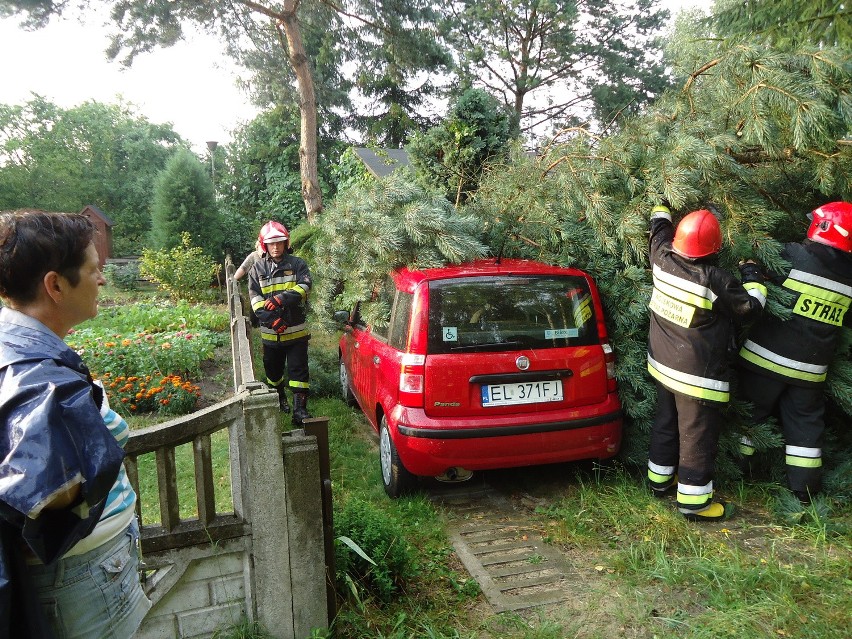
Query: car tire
396	478
345	388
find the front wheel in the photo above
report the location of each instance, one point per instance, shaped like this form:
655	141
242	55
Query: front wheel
396	478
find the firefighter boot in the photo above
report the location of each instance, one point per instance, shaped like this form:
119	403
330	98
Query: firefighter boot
300	408
283	404
713	512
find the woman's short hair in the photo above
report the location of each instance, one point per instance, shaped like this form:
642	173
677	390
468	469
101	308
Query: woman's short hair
33	243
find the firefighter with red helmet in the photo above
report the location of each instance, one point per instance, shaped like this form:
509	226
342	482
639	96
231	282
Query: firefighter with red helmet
784	362
279	284
694	305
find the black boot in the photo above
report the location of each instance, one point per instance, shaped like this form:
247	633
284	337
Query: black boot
283	404
300	408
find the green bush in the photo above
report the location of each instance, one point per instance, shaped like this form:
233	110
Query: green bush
124	277
185	272
381	538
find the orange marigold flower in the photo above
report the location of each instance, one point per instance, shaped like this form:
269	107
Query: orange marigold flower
124	400
126	342
165	346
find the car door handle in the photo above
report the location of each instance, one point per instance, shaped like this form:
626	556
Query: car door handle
376	360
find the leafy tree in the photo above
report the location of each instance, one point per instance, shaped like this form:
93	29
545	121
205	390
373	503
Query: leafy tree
452	155
184	202
63	159
145	24
553	61
260	179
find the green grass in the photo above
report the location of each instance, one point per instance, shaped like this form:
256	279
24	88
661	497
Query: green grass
148	485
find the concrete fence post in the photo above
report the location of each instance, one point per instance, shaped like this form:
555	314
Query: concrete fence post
306	534
265	503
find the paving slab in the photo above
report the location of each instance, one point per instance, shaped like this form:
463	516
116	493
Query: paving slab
507	557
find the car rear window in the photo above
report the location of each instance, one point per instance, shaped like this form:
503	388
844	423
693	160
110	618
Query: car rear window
480	314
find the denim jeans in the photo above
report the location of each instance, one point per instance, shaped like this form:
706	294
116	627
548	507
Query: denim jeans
97	594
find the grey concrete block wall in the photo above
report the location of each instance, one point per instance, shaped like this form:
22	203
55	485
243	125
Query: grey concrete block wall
210	595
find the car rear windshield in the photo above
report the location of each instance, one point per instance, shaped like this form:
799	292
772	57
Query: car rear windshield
480	314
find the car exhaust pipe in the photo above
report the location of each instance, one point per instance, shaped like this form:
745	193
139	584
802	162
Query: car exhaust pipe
455	474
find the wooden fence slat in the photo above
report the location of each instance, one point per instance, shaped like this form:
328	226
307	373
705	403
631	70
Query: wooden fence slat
205	491
131	466
167	480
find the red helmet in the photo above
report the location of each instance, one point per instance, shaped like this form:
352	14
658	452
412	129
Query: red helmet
698	235
273	232
832	224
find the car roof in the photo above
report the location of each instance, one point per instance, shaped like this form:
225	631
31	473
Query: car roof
407	279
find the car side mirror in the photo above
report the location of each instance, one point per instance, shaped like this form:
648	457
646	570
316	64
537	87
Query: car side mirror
342	318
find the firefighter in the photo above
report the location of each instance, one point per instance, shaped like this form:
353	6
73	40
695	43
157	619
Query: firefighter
783	363
279	284
694	305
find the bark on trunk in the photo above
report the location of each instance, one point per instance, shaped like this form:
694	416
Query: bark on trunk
311	193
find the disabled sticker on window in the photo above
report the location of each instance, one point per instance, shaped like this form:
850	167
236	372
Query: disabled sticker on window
451	334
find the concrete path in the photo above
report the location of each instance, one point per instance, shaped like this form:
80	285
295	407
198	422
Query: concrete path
507	557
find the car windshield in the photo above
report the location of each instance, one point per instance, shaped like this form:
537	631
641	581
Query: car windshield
479	314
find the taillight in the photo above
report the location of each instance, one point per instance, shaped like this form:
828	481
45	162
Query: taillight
609	358
411	380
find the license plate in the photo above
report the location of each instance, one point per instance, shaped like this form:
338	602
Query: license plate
521	393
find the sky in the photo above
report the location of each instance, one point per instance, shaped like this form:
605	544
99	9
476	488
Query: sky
191	85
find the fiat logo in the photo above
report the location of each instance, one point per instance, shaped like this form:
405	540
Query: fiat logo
523	363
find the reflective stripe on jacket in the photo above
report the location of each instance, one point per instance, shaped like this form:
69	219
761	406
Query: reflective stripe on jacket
693	306
799	350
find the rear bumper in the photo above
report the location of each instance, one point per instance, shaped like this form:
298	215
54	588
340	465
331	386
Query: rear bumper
429	446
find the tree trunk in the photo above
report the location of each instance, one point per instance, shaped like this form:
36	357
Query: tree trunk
311	193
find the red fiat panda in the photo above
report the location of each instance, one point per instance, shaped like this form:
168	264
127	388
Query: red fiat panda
490	364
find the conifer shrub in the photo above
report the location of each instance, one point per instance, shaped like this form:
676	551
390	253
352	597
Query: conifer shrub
381	539
185	272
124	277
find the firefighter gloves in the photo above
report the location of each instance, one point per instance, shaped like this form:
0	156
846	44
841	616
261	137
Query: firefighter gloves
750	272
278	325
274	303
282	300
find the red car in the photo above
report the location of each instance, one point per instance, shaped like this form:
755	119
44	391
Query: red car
490	364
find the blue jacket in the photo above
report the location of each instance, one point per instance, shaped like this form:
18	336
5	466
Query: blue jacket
52	435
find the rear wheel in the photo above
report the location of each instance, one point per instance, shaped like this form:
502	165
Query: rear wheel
395	477
345	388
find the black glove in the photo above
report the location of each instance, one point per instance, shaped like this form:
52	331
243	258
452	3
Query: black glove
290	298
750	272
278	325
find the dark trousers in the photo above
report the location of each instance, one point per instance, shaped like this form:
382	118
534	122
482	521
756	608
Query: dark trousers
292	357
685	435
801	411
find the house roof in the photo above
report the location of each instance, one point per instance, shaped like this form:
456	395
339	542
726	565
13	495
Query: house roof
94	209
382	162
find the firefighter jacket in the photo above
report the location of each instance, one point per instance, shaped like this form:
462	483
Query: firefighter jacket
267	279
799	350
694	305
53	437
